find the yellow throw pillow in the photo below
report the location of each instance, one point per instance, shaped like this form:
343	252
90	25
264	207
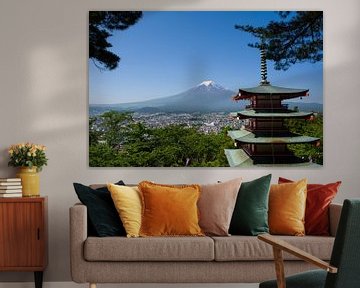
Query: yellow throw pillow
127	201
169	210
287	204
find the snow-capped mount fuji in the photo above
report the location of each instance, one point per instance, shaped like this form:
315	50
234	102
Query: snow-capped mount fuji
209	84
207	96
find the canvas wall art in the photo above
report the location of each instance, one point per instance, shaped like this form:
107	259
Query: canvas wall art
205	89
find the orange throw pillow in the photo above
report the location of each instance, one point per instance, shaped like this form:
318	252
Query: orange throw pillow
319	197
287	204
169	210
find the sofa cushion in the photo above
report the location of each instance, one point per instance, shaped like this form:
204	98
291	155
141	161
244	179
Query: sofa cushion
245	248
216	205
102	216
127	201
149	249
318	199
287	204
250	215
169	210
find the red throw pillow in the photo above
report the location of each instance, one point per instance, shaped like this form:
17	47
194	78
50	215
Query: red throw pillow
319	197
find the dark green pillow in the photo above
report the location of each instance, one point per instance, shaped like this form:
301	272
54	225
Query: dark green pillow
103	218
250	216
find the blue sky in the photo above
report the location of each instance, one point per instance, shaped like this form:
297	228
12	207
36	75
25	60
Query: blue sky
168	52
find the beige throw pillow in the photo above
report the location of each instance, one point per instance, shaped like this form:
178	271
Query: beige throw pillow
216	206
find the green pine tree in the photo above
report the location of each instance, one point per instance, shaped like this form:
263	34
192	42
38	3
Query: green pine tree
297	37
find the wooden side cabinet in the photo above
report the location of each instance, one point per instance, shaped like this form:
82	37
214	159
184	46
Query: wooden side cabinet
23	235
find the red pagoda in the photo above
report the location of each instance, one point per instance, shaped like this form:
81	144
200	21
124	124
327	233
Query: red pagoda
264	138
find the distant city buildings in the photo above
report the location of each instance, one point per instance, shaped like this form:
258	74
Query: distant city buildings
205	122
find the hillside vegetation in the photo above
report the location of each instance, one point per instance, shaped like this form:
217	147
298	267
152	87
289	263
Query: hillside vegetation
117	141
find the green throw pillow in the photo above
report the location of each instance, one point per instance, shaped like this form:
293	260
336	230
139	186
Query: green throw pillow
250	216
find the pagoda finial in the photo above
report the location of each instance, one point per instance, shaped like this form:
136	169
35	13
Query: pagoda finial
263	65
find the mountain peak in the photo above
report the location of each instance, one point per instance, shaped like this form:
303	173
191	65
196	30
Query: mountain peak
207	83
210	84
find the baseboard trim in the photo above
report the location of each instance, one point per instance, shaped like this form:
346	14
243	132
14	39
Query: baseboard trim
74	285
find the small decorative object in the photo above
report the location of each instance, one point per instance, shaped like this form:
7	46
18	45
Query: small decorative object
30	158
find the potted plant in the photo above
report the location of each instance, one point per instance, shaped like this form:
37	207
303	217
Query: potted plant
30	158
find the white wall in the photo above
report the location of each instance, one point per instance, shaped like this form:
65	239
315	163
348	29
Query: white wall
43	88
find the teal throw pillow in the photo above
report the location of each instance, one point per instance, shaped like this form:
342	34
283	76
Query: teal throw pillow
250	216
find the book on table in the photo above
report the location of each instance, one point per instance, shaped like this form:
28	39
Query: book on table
10	183
10	191
2	188
9	195
10	179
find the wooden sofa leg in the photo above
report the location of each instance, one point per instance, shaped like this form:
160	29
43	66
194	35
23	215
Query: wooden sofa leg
92	285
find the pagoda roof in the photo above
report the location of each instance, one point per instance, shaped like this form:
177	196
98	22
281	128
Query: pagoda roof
239	158
270	90
248	137
286	114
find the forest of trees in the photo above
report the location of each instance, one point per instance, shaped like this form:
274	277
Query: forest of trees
116	140
312	128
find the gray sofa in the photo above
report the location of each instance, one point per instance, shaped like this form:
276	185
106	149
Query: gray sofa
234	259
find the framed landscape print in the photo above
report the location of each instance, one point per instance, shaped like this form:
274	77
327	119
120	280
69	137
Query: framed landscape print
205	88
